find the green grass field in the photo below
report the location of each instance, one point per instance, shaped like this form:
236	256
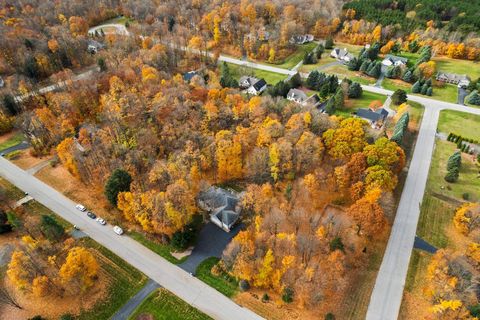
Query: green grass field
271	77
467	67
163	305
464	124
160	249
448	93
326	59
293	59
343	72
13	140
225	284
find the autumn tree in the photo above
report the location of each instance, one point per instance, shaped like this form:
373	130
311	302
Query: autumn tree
80	268
119	181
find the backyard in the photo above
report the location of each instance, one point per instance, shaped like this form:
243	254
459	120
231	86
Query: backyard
293	59
342	71
270	77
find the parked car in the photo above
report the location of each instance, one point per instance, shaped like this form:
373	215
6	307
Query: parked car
118	230
80	207
101	221
91	215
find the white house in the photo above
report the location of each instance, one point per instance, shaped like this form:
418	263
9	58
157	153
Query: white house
246	82
297	96
341	54
258	87
223	205
391	60
461	80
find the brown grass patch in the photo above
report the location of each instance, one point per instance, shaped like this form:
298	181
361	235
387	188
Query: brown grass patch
7	136
26	161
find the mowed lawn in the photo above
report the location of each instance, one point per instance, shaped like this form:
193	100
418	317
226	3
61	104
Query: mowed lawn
162	305
447	93
271	77
342	71
465	124
470	68
11	140
223	283
293	59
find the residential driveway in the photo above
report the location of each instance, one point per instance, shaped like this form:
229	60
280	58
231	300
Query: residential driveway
331	64
135	301
21	146
211	242
423	245
462	93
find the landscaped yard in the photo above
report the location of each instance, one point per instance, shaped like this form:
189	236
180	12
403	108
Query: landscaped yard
461	123
11	139
160	249
293	59
163	305
326	59
448	93
271	77
223	283
343	72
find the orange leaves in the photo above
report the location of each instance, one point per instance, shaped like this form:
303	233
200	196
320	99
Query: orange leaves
18	270
53	45
368	215
466	217
195	43
80	267
78	26
149	74
228	156
349	138
65	154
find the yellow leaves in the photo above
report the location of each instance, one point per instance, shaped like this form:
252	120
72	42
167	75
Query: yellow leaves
270	128
404	107
125	203
149	74
377	33
462	219
62	19
40	286
78	26
263	278
17	270
65	154
174	215
80	266
147	43
445	305
258	223
229	156
321	232
349	138
473	252
216	29
53	45
271	55
195	43
30	242
307	118
286	236
274	160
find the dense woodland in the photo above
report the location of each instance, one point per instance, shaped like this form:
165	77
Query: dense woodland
318	188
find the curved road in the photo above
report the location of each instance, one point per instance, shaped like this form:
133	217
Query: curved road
119	29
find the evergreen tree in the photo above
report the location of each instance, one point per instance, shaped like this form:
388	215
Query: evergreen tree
355	90
376	70
295	81
330	107
51	229
313	80
429	91
364	66
399	97
339	99
473	98
408	76
353	65
416	87
10	105
119	181
329	43
424	88
319	51
226	79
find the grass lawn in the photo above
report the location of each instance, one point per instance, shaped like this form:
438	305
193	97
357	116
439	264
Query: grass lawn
343	72
352	48
448	93
225	284
464	124
467	67
163	305
119	20
271	77
364	101
13	140
293	59
326	59
160	249
125	282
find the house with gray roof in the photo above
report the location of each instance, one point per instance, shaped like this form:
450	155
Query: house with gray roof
258	87
94	46
462	80
297	96
223	206
375	118
391	60
341	54
188	76
301	39
246	82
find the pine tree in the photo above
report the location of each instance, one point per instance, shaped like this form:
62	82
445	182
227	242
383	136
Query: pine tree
355	90
416	87
424	89
429	91
330	107
364	66
408	76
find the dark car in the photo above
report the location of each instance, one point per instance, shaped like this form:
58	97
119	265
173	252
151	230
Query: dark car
91	215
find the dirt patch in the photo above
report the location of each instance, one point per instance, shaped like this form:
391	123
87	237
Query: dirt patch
92	197
7	136
26	161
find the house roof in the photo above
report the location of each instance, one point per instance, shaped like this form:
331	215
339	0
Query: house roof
371	115
453	76
297	95
227	217
189	75
394	59
259	84
247	81
95	44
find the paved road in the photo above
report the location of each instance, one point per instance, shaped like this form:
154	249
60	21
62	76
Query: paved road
169	276
388	291
20	146
135	301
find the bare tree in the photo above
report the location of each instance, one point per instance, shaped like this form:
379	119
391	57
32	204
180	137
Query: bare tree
8	298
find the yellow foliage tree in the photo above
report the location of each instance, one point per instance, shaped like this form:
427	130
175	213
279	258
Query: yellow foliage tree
265	272
65	154
80	267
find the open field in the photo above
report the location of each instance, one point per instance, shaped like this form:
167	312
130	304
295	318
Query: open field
467	67
293	59
162	305
271	77
223	283
326	59
447	93
464	124
343	72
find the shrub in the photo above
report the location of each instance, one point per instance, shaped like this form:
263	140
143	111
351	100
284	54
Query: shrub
337	244
243	285
474	310
181	239
287	295
399	97
119	181
67	316
265	297
51	228
466	196
329	316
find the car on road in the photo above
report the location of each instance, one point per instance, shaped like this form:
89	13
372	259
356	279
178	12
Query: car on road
91	215
80	207
118	230
101	221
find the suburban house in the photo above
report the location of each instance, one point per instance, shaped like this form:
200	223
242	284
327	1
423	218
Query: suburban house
189	75
246	82
94	46
297	96
341	54
375	118
391	60
223	206
258	87
301	39
462	80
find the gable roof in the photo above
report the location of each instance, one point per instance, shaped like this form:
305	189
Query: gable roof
394	59
189	75
297	95
259	84
247	81
369	115
452	76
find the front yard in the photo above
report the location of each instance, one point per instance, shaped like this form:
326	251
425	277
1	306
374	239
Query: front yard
270	77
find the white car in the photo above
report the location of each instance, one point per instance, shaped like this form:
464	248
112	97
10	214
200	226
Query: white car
118	230
80	207
101	221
